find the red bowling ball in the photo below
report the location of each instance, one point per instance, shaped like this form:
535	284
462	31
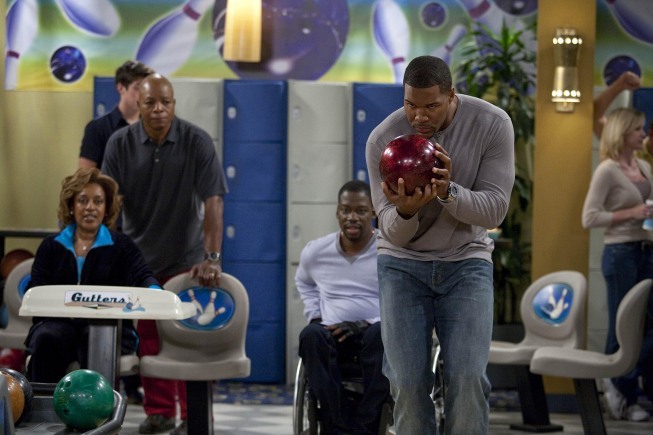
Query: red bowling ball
410	157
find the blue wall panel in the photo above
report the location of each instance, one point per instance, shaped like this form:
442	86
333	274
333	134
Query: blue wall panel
254	231
255	171
372	102
261	281
255	110
265	347
254	245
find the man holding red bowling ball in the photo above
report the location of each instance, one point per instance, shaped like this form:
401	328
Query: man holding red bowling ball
435	256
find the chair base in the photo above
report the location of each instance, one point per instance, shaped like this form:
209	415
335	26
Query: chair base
200	407
537	428
589	406
534	407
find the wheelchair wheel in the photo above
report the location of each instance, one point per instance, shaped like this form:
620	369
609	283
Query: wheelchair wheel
438	387
304	412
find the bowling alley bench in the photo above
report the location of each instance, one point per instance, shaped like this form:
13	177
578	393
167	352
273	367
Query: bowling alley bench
105	307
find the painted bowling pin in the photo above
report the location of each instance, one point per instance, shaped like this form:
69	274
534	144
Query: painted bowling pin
634	16
22	25
195	302
168	44
485	12
457	33
95	17
209	311
392	35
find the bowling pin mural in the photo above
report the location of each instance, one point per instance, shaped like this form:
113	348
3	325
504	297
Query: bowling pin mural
95	17
484	12
22	23
635	17
445	51
392	35
169	42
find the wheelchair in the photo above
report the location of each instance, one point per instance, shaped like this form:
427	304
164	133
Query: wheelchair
306	409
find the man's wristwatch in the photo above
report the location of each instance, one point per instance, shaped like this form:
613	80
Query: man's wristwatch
452	193
212	256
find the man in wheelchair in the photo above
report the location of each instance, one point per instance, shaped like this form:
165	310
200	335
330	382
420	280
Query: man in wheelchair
338	283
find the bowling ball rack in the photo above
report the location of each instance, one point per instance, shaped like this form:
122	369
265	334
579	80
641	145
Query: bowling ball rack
42	418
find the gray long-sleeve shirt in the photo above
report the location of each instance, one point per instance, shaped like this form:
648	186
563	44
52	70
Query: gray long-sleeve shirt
480	143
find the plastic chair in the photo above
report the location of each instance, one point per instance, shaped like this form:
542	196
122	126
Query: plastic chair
552	310
200	350
14	335
585	366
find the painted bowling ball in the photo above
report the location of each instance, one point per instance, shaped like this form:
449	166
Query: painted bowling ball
12	259
83	399
16	396
410	157
26	387
302	39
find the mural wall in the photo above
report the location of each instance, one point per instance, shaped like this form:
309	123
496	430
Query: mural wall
624	40
61	44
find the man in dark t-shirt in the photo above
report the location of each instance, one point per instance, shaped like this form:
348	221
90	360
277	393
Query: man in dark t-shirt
128	80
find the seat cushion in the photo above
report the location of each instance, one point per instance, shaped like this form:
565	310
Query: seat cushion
575	363
162	367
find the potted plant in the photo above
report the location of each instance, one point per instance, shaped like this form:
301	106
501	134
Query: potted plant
503	74
500	68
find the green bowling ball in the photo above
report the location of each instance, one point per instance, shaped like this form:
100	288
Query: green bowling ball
83	399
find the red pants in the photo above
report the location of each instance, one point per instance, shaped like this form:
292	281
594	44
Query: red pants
159	397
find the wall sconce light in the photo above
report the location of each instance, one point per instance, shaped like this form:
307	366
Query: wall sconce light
242	31
566	50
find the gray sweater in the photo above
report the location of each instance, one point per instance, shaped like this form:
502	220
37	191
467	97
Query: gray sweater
480	143
611	190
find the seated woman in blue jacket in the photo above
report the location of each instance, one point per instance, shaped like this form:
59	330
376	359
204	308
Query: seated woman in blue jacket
85	252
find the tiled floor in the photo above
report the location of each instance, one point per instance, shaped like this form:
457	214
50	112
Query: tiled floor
247	409
277	420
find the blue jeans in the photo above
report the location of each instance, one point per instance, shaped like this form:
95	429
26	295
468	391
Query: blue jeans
455	298
624	265
322	356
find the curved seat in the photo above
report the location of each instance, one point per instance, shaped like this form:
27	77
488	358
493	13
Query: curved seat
14	335
206	347
584	366
553	311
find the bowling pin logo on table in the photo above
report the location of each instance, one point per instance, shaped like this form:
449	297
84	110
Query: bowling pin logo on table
214	307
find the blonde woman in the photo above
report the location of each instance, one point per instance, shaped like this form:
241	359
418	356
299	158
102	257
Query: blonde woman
616	201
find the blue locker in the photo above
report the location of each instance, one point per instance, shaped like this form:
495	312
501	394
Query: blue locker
260	280
253	171
105	95
264	345
643	101
372	102
254	231
255	110
254	243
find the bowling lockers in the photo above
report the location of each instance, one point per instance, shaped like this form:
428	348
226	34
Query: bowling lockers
372	102
196	100
254	247
597	306
319	163
643	101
